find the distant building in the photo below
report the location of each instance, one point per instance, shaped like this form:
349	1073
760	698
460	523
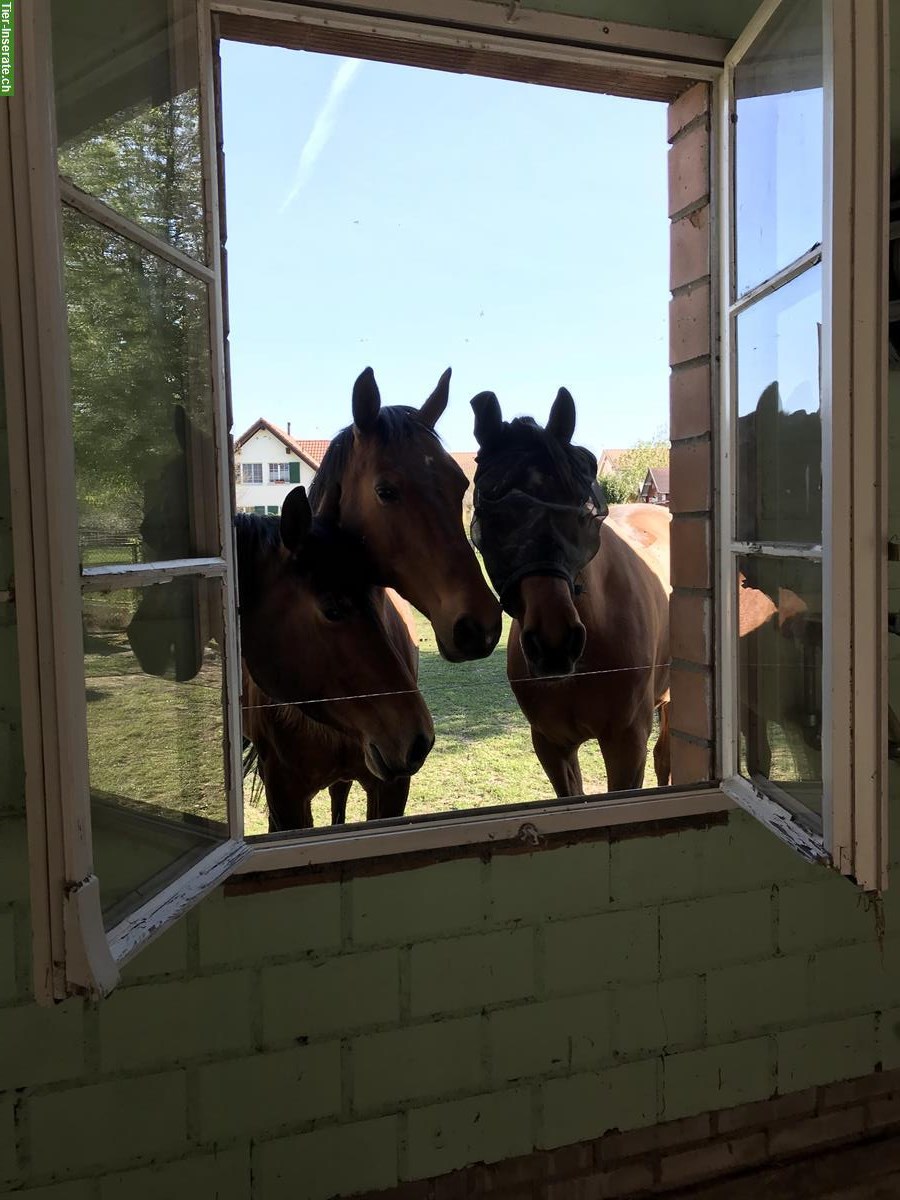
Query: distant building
655	488
608	462
314	448
268	463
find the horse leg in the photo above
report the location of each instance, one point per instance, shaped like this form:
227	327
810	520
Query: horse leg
662	751
339	792
560	765
289	803
625	756
387	799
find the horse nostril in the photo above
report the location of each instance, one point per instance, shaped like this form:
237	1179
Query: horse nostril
418	752
472	639
531	646
577	639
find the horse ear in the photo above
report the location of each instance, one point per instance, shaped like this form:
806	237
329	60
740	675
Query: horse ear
432	409
296	519
561	422
366	401
488	417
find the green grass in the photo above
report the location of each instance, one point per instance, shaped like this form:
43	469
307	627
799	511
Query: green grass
482	754
154	744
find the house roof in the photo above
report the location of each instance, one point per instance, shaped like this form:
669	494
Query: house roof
285	438
314	448
609	459
659	476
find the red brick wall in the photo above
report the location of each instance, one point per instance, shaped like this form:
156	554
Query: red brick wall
691	459
842	1140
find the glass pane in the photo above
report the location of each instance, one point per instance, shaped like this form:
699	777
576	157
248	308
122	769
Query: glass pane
779	138
780	675
141	401
154	679
779	432
128	112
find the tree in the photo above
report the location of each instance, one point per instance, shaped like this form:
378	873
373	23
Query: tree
625	485
138	326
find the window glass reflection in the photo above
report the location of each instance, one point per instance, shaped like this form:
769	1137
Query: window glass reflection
780	675
128	113
153	674
779	137
779	429
141	401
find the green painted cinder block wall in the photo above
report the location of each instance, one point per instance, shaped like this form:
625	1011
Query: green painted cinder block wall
332	1038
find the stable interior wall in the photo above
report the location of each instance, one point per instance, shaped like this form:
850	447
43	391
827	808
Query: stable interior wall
356	1032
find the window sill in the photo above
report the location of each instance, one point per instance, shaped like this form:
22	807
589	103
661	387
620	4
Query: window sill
285	860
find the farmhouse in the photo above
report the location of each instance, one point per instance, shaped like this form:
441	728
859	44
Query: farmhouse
655	488
691	989
268	462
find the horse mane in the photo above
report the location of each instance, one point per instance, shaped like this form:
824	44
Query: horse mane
330	557
394	424
523	441
257	537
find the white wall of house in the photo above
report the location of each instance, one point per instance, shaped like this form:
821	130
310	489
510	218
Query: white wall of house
265	449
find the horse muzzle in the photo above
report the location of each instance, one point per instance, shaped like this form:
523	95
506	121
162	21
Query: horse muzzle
471	640
388	765
545	660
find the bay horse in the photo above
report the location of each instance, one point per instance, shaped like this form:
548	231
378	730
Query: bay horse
399	490
330	692
588	650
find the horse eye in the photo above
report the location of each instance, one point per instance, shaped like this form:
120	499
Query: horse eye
336	610
386	494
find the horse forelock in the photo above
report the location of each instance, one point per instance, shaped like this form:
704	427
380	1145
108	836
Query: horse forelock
395	425
522	444
331	558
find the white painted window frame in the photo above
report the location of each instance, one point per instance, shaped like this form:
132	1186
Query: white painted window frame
247	473
280	472
72	950
852	832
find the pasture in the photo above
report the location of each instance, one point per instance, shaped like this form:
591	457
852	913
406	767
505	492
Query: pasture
482	754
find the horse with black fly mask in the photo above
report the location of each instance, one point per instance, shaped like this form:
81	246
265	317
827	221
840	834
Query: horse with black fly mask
588	590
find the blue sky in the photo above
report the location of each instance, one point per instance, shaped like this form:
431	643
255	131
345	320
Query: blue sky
412	220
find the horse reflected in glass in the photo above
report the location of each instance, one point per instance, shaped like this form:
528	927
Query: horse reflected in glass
588	591
400	491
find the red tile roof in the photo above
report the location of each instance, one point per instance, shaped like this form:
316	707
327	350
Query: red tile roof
314	448
283	437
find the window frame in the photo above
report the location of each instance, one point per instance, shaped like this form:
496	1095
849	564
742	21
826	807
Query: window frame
247	467
72	949
275	472
854	247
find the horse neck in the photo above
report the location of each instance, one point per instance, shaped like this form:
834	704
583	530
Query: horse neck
285	725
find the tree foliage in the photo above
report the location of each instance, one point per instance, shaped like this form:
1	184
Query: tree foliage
138	326
631	471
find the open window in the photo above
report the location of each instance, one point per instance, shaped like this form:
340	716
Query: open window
115	348
803	517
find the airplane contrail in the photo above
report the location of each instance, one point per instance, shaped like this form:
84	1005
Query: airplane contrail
323	127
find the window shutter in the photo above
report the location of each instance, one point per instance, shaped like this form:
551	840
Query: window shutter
295	472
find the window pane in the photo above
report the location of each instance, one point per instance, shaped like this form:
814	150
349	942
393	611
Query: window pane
779	436
779	137
154	678
128	113
780	674
141	401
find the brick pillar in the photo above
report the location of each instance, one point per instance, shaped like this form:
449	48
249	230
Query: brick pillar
690	425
